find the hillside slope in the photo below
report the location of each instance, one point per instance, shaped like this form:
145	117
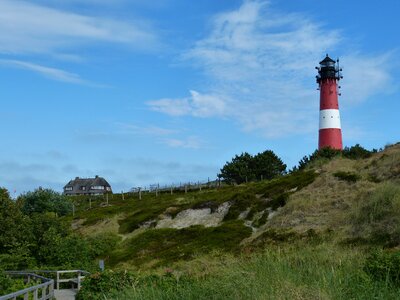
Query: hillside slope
168	228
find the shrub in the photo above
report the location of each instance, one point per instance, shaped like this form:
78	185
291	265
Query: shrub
347	176
383	266
45	200
326	153
356	152
167	245
375	218
100	283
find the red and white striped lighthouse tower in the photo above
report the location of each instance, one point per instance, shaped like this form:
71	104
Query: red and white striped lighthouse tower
330	132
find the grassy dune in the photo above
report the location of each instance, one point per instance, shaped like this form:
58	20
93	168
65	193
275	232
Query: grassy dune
334	234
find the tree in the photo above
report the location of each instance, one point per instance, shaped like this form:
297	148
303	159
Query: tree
238	170
267	165
246	167
45	200
14	234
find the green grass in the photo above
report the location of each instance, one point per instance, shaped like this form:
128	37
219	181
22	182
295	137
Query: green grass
134	212
299	271
375	216
166	246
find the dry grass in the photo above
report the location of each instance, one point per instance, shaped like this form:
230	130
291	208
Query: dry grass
325	204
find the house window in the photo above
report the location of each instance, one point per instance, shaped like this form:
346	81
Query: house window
83	188
68	188
97	187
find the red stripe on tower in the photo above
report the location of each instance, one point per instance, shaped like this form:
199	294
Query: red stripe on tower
330	132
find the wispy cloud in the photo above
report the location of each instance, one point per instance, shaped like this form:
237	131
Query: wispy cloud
34	31
198	105
31	28
261	65
191	142
151	130
52	73
173	138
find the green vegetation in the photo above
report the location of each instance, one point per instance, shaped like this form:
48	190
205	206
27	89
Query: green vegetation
321	156
105	282
327	230
32	240
246	168
347	176
9	285
295	271
375	217
45	200
164	246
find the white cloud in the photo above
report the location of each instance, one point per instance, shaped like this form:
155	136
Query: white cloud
261	65
151	130
173	107
198	105
52	73
191	142
30	28
366	76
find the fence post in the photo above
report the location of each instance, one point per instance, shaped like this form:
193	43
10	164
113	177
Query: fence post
185	188
51	288
123	196
79	280
171	189
140	193
58	280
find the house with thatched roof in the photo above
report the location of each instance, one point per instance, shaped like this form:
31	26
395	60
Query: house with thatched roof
87	186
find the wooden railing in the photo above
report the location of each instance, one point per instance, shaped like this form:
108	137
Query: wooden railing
43	291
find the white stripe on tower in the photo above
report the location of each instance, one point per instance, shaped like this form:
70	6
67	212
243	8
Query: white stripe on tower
329	118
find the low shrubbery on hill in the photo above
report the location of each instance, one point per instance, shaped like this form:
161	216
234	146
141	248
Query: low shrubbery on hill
375	217
161	247
384	266
296	271
325	154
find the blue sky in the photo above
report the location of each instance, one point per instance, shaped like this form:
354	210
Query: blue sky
167	91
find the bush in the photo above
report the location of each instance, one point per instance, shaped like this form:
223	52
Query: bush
356	152
45	200
376	217
326	153
347	176
98	284
383	266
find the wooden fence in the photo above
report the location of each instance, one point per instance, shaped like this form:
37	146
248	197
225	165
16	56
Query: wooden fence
45	290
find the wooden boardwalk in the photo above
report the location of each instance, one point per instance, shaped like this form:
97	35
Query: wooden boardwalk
48	288
65	294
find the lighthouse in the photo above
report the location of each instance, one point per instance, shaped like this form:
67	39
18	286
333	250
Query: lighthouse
330	132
